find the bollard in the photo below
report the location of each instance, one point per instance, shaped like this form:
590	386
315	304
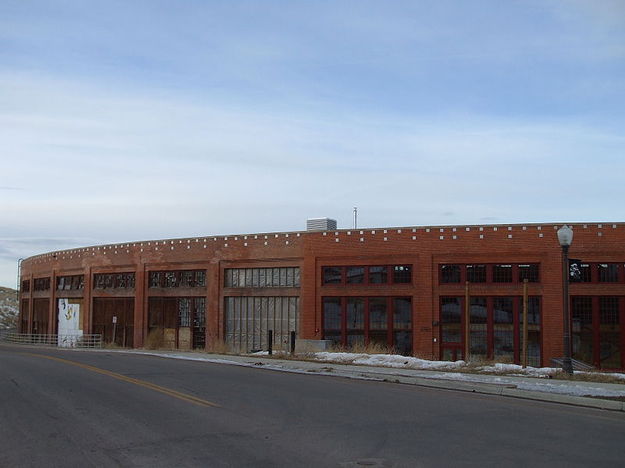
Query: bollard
270	341
292	342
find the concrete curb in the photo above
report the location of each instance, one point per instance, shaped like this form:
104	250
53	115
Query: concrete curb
508	390
499	389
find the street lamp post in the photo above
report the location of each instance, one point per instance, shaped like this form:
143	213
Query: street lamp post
565	238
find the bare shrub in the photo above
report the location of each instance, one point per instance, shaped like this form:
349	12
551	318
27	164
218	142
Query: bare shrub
371	348
595	376
361	348
217	346
154	340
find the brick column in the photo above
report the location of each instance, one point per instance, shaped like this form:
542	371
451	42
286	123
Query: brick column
309	304
140	325
30	303
551	308
214	304
424	310
87	318
52	309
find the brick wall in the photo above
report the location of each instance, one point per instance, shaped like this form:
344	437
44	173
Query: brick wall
423	247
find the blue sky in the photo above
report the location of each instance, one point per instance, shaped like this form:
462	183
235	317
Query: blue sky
152	119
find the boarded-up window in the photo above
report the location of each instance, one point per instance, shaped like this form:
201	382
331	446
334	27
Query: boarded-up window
248	319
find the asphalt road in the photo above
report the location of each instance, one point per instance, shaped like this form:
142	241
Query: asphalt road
81	409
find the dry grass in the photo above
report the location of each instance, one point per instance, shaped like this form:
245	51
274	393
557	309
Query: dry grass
277	354
154	340
111	345
217	346
371	348
476	362
597	376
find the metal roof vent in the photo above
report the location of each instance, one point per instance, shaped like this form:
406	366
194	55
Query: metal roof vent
320	224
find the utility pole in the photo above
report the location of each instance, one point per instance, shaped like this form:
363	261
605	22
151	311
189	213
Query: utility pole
355	217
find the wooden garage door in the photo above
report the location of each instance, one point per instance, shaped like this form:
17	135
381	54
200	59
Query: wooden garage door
41	309
104	309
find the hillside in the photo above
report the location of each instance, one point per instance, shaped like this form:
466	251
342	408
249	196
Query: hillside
8	308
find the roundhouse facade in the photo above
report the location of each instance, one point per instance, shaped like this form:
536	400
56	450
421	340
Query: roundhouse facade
405	288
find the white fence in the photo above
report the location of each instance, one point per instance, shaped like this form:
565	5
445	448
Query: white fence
62	341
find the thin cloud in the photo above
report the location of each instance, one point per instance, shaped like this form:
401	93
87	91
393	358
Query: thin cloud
122	122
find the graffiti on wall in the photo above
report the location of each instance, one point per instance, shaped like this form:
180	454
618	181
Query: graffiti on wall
70	329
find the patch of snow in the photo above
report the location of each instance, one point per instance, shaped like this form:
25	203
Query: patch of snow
500	368
387	360
570	388
266	353
611	374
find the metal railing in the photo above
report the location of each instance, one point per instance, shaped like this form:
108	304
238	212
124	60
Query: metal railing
61	341
6	331
577	365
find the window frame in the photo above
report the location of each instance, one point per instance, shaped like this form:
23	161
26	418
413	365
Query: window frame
389	274
390	330
516	275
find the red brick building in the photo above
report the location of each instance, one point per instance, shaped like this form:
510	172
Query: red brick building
405	288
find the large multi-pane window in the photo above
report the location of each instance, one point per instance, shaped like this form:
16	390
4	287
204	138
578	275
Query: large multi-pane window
402	325
177	279
114	280
582	329
378	275
479	327
355	323
70	283
450	273
476	273
367	275
602	272
402	274
381	321
529	272
494	330
25	285
279	277
609	333
378	321
503	329
489	273
502	273
332	275
608	272
597	329
333	319
533	330
41	284
354	275
451	320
